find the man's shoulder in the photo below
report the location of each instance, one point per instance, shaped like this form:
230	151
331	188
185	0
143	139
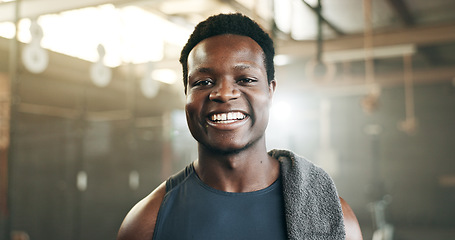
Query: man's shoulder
139	223
351	224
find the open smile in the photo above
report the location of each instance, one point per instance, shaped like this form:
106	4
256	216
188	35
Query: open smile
227	117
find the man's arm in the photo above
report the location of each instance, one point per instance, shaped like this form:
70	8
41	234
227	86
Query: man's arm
139	223
351	224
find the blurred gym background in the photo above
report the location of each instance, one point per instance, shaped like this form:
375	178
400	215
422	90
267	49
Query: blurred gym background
91	107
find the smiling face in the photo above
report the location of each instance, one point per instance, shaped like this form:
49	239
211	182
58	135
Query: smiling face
228	95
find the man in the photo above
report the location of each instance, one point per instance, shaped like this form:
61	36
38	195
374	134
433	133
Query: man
236	189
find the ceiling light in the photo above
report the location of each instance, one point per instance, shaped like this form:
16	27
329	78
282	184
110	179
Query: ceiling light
165	75
282	16
129	34
281	60
7	30
377	52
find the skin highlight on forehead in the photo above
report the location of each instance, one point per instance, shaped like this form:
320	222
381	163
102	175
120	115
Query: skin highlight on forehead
238	67
242	47
242	66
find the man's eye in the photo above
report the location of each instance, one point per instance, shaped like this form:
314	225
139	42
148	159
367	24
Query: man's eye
205	82
247	80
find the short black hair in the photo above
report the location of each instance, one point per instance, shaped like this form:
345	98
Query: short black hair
233	23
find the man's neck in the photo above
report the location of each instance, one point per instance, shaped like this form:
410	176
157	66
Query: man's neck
248	170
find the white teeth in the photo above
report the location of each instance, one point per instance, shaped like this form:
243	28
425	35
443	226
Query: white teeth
231	116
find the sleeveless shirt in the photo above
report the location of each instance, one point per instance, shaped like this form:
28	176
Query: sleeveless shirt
193	210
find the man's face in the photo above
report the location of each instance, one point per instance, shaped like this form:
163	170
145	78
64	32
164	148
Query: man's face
228	96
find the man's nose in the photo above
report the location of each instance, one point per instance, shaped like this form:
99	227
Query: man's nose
224	91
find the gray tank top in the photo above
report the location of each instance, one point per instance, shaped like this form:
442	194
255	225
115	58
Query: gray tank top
193	210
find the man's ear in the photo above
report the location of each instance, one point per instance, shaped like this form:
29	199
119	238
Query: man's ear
272	86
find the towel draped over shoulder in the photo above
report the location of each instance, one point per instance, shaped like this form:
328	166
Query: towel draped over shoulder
312	206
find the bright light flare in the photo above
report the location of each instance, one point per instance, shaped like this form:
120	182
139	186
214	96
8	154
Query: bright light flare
165	75
129	34
281	111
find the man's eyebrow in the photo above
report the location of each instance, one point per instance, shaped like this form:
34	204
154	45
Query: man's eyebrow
204	70
242	66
